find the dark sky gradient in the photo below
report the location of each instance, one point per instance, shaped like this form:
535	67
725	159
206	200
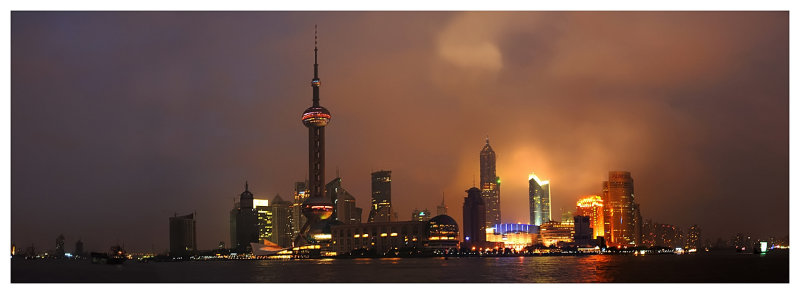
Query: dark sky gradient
120	119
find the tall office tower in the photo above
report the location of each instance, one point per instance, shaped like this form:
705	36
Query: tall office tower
606	213
182	235
620	209
637	224
300	195
420	215
60	249
245	222
441	209
592	206
344	204
281	221
539	200
79	248
264	219
693	238
490	185
648	233
317	208
474	217
381	197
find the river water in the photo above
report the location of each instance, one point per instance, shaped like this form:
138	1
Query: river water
692	268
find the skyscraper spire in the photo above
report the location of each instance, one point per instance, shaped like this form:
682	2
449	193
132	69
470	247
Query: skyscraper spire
246	186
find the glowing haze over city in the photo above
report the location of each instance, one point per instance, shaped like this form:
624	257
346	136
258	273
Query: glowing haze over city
120	120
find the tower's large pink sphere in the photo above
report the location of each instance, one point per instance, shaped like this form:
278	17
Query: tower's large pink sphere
317	209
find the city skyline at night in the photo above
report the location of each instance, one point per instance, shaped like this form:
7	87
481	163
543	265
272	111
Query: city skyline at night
569	95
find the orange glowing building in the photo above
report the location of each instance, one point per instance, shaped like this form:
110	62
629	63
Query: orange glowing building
592	206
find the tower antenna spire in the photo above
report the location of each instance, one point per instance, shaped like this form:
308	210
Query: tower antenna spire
315	82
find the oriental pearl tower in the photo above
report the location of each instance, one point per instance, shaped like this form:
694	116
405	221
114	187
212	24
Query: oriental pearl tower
316	208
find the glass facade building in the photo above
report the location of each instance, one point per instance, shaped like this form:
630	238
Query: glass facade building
539	200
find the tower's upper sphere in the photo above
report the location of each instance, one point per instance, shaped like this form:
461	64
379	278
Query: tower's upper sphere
316	116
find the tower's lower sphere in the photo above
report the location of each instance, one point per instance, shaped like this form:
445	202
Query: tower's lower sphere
316	209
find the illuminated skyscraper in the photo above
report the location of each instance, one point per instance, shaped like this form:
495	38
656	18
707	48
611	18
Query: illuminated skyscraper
539	200
317	208
381	197
264	221
182	235
620	209
474	217
441	209
592	206
300	195
490	185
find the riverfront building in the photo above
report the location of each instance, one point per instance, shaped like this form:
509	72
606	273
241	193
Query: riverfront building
381	238
516	236
490	185
619	209
381	197
555	233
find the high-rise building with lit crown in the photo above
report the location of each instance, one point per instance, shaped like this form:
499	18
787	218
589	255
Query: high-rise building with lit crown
619	209
539	200
381	197
592	206
490	185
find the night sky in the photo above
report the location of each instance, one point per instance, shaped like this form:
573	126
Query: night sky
119	120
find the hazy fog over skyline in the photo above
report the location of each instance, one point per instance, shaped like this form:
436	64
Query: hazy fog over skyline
121	119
